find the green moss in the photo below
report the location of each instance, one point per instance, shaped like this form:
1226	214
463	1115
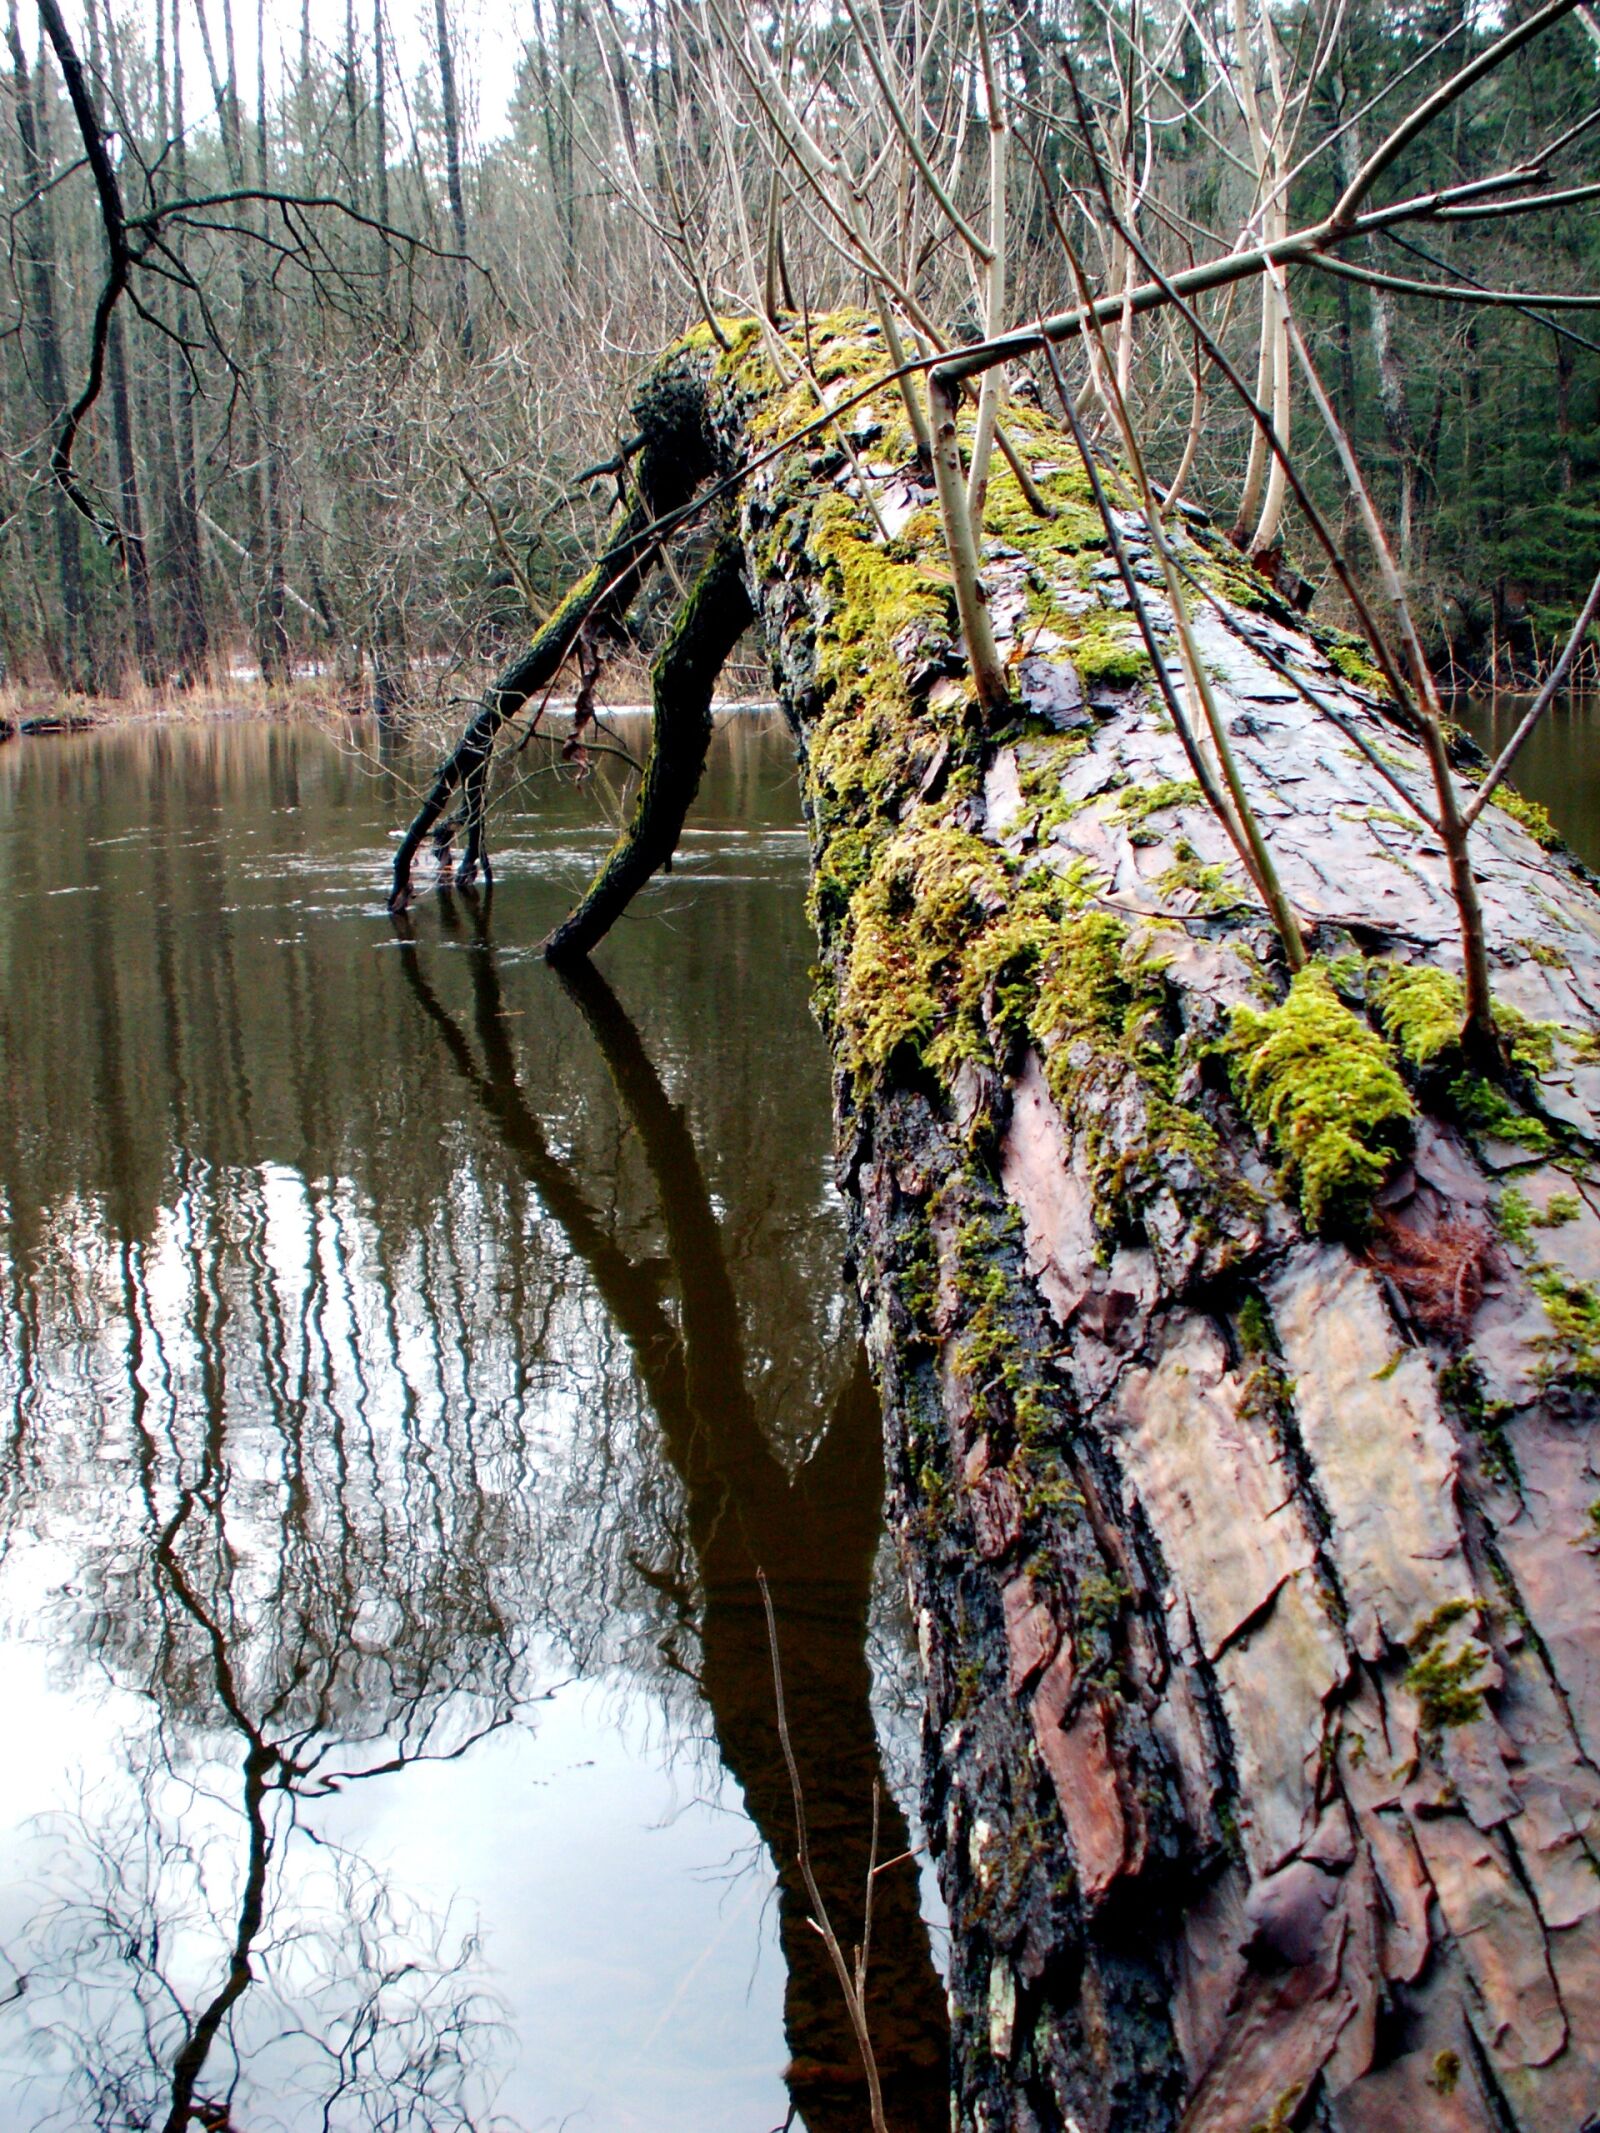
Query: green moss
1517	1218
1547	956
844	348
1421	1009
1101	1013
1532	1045
1208	884
1559	1209
1089	992
1254	1327
1488	1110
929	891
1100	1599
1534	819
856	742
737	333
1041	762
1442	1679
1104	652
1354	662
1445	2077
1573	1309
1007	959
1008	1381
1394	819
1513	1216
1009	517
1319	1085
1102	1595
843	865
1461	1391
1266	1392
918	1283
1281	2117
1135	804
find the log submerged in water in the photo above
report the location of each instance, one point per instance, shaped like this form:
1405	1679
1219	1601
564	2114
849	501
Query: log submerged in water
1238	1346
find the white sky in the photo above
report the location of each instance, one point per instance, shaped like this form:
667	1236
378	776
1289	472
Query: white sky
489	38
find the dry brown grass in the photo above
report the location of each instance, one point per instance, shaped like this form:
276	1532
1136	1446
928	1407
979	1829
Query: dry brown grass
442	697
1439	1269
306	697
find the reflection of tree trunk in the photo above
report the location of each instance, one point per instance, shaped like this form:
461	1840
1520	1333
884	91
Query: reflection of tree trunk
1254	1564
814	1536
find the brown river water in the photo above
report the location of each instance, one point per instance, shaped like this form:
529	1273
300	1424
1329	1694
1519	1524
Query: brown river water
407	1361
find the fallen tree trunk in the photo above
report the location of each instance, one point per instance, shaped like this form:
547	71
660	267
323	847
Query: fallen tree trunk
1238	1345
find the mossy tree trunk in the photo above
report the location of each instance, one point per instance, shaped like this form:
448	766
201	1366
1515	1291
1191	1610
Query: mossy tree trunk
1238	1349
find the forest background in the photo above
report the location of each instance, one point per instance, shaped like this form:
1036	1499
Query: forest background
367	360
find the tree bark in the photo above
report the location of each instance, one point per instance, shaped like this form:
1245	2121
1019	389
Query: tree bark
76	666
451	116
1254	1562
715	616
1383	322
170	412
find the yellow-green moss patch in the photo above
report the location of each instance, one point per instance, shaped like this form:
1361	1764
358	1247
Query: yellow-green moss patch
1354	662
1442	1679
1421	1008
1534	819
1320	1087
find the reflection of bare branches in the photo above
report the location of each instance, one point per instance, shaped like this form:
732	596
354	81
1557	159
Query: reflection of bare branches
362	2014
243	1613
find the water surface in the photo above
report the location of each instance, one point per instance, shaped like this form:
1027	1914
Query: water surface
407	1363
1559	766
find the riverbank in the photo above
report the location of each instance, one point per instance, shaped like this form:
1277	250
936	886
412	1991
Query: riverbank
31	711
28	709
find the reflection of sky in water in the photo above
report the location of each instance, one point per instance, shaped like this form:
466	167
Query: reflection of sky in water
348	1306
627	1978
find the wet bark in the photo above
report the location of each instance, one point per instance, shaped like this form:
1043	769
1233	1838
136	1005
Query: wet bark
1256	1569
715	616
675	456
